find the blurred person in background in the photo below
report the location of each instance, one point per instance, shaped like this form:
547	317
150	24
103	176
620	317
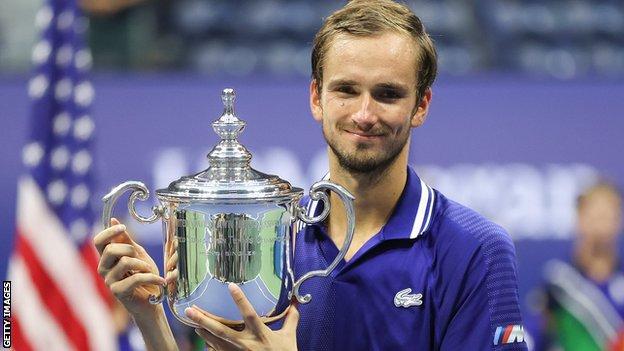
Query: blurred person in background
124	35
16	35
107	7
585	297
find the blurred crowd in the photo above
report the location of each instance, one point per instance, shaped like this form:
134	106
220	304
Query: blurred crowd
564	39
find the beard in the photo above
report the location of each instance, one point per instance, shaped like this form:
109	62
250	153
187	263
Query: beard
365	158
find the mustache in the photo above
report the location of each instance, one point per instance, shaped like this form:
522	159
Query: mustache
376	130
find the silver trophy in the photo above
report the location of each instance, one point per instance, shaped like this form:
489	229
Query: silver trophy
231	224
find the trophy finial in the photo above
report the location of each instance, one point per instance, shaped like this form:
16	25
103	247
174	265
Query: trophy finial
228	96
228	127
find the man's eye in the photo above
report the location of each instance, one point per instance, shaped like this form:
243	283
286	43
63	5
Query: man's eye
387	95
346	89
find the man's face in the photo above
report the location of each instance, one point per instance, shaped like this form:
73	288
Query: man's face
368	101
600	218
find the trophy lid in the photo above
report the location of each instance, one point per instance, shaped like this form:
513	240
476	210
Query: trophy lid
229	178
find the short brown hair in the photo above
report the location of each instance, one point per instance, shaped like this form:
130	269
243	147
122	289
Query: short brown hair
372	17
601	186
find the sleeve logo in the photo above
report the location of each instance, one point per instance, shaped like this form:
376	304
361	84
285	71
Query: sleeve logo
513	333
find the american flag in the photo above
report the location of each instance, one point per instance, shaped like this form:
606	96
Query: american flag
59	301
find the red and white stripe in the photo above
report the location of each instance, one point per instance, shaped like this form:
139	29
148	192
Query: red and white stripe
37	326
57	303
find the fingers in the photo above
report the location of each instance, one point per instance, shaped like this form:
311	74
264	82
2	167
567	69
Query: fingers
126	264
171	272
171	276
213	342
172	261
292	319
106	236
213	327
127	285
111	255
250	316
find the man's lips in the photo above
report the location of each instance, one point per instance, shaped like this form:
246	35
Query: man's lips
364	136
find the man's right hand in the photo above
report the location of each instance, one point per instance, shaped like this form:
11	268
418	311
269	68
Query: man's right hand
127	269
132	276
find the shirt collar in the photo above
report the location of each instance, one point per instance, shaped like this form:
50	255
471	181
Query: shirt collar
412	214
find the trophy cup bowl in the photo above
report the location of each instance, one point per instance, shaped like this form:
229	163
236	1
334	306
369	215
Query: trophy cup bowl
231	224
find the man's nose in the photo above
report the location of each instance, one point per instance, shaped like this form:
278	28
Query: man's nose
365	117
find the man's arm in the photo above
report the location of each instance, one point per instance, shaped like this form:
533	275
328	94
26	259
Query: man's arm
486	314
156	331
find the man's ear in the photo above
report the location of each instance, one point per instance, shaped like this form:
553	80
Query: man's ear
315	101
420	114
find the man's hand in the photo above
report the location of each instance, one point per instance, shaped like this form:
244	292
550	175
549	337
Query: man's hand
129	272
132	276
255	336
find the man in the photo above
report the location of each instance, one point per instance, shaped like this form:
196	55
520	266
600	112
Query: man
586	299
422	272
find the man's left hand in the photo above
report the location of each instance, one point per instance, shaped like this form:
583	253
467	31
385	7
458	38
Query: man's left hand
255	336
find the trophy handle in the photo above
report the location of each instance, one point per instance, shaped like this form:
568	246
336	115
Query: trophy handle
140	192
317	193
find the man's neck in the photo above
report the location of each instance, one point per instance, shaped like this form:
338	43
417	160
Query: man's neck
375	198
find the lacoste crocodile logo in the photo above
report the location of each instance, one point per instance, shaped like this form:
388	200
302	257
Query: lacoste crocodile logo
405	299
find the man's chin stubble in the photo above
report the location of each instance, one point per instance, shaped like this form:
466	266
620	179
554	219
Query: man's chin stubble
369	166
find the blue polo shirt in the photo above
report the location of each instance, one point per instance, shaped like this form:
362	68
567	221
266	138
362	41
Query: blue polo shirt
438	276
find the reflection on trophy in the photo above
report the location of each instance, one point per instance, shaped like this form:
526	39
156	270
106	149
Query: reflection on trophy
231	224
234	249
